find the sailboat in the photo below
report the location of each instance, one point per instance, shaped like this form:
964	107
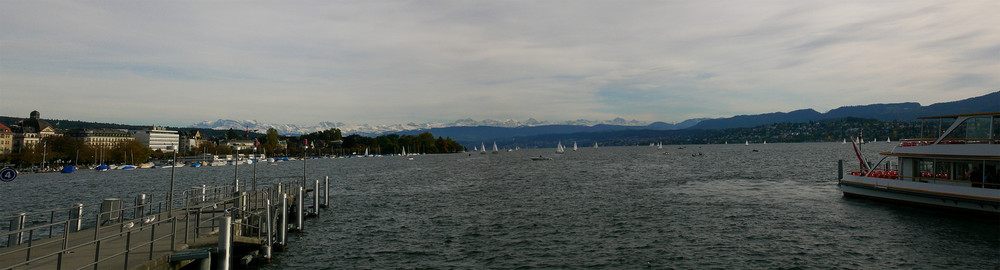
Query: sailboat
574	146
595	145
560	149
887	139
366	151
746	143
765	142
482	148
495	149
659	145
844	142
404	151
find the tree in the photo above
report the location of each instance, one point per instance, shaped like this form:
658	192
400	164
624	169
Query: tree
271	142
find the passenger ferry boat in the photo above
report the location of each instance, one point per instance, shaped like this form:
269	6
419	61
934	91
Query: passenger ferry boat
957	170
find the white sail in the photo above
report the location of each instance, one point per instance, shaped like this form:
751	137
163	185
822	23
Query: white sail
559	148
404	150
574	146
746	143
659	145
495	149
366	152
595	145
482	148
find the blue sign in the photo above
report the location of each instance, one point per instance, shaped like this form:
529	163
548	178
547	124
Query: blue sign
8	174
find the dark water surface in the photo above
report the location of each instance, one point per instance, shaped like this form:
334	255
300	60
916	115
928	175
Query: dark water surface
709	206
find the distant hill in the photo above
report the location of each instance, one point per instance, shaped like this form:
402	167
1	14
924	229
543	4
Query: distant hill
468	135
885	112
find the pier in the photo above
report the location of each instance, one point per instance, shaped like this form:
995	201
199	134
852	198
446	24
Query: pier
220	227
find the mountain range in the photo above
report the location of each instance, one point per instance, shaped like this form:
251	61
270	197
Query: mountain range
371	130
885	112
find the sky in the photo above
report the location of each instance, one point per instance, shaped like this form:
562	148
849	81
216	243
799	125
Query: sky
177	63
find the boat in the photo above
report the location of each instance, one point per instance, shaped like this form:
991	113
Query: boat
103	168
68	169
957	170
127	167
659	145
574	146
495	149
746	143
595	145
195	165
560	149
482	148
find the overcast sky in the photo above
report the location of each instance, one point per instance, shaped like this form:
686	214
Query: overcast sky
382	62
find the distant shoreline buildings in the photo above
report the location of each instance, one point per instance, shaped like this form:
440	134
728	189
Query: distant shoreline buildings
26	133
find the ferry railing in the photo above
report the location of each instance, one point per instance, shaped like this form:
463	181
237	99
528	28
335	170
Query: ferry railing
893	174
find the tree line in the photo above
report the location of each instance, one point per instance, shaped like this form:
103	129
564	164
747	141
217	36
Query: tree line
61	149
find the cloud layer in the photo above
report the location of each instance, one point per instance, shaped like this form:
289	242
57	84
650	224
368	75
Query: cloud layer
401	61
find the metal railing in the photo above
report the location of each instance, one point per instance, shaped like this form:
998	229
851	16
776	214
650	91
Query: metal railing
256	214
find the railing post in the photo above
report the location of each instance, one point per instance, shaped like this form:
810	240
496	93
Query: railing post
97	254
140	202
79	217
840	169
316	199
128	247
298	209
16	224
268	233
225	237
152	240
326	194
283	232
173	234
65	244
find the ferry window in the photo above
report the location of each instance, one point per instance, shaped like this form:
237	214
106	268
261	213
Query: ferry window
925	168
996	128
958	133
962	169
977	128
942	169
992	175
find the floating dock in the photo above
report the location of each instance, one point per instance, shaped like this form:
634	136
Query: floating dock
211	227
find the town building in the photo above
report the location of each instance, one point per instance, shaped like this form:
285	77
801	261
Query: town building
6	140
158	138
189	140
240	145
101	138
29	132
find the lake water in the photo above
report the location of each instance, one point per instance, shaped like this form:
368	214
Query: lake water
703	206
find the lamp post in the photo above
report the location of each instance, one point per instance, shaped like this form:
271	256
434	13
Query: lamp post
255	166
170	195
236	172
305	148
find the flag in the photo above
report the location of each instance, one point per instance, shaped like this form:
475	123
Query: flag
256	143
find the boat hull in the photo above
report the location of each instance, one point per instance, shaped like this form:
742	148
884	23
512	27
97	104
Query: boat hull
942	196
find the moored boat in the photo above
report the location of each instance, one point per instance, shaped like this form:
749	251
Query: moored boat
957	170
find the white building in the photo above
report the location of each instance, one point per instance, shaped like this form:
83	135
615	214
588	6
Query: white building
158	138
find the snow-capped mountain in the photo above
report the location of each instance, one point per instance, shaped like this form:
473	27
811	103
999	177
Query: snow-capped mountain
368	130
